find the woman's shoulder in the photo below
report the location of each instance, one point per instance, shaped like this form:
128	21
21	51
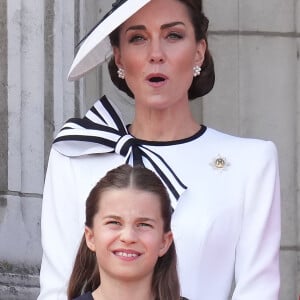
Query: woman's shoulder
86	296
237	143
239	150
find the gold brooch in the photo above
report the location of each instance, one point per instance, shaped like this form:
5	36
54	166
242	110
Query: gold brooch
220	163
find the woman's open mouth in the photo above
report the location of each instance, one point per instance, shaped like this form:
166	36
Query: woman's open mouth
156	80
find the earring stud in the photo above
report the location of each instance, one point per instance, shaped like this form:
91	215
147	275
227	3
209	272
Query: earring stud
197	71
121	73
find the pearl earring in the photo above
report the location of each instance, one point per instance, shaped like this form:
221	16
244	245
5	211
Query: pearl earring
121	73
197	71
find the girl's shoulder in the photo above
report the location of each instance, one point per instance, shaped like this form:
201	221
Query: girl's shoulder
86	296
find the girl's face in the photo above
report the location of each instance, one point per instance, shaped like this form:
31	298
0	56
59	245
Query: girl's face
127	234
158	51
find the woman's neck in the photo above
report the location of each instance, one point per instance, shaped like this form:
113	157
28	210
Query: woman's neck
163	125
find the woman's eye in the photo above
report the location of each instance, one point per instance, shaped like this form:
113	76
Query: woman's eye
136	39
174	36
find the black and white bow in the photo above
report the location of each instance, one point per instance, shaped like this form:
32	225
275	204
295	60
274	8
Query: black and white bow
103	131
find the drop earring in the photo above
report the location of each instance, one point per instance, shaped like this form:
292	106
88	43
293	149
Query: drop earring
197	71
121	73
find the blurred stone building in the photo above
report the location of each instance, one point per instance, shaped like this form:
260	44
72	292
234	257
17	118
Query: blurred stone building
255	45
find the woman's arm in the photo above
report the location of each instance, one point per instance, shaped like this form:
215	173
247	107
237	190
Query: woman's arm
257	253
61	227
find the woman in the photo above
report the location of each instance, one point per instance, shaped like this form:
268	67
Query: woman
127	251
226	220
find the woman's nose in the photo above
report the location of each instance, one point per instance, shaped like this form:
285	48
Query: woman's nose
156	54
128	235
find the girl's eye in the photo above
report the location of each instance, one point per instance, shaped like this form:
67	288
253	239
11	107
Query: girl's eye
113	222
145	225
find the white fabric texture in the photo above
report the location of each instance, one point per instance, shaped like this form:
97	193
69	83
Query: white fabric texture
226	224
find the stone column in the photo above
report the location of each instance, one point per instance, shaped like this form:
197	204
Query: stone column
36	50
297	141
22	85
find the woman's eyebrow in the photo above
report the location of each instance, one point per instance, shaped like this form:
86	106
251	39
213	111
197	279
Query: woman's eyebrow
164	26
136	27
168	25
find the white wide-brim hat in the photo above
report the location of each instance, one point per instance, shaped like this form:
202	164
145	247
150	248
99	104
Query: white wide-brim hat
95	47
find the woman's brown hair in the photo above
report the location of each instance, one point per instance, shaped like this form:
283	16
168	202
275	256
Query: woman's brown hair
85	275
201	84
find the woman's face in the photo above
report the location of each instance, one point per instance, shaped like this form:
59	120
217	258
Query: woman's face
158	51
127	234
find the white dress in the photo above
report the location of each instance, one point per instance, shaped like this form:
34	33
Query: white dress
226	223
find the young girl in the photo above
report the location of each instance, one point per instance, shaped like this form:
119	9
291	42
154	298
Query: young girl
127	251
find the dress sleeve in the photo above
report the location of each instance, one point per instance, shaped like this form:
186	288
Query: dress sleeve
60	226
257	254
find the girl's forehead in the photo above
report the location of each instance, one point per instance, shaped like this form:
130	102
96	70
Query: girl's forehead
126	198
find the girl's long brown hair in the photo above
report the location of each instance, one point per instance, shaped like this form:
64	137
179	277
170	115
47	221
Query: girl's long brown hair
85	275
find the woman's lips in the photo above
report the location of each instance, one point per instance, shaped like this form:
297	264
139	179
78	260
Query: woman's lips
156	79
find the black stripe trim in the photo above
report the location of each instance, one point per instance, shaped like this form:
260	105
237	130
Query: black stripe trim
163	177
91	139
114	115
88	124
97	113
175	142
125	148
165	163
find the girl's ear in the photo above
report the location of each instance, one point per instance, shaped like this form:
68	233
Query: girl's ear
200	52
89	238
166	243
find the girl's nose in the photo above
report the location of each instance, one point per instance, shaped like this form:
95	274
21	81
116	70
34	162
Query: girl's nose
128	235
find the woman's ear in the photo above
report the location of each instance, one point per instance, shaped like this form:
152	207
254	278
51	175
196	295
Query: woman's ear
117	56
166	243
89	238
200	52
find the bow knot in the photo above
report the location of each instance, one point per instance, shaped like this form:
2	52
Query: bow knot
102	131
124	144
